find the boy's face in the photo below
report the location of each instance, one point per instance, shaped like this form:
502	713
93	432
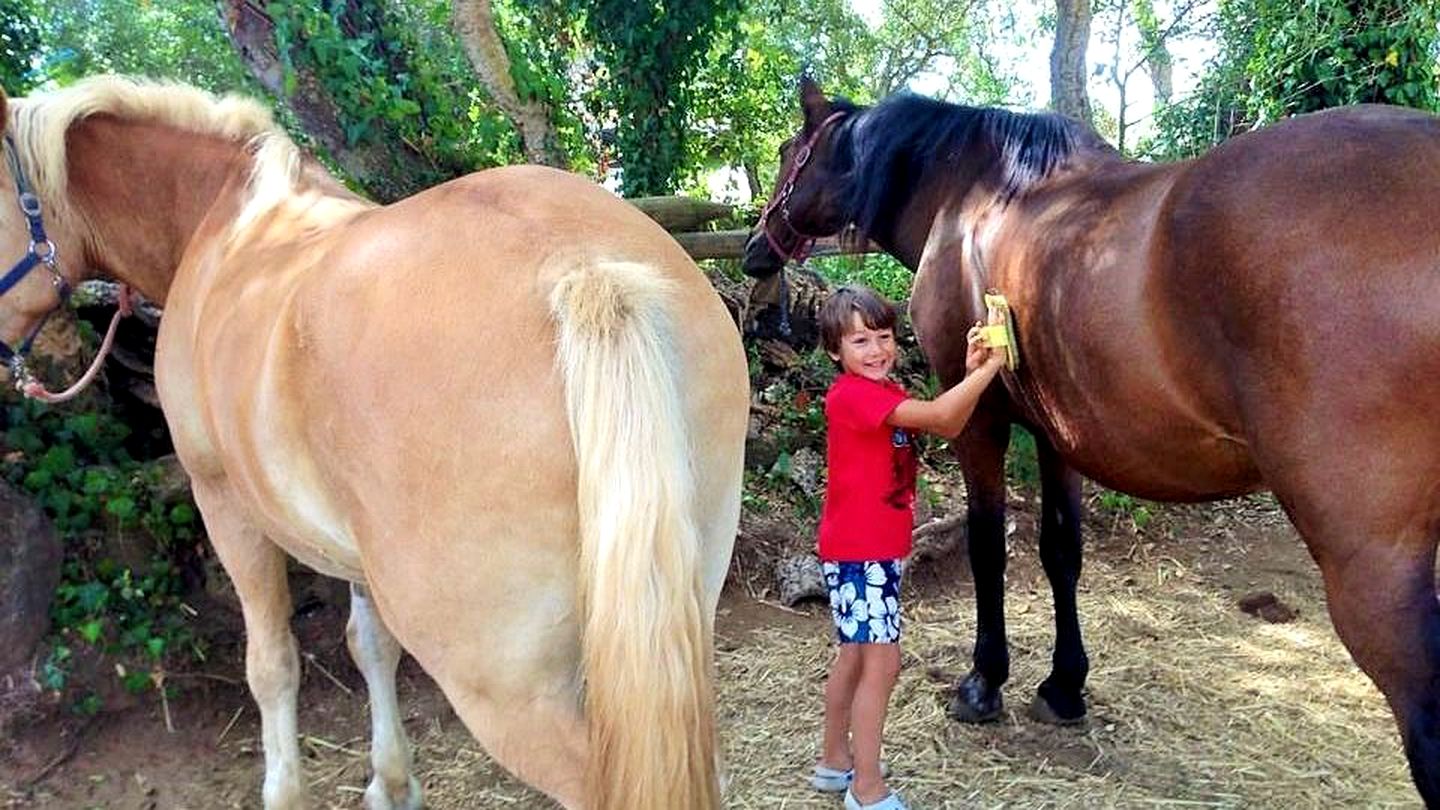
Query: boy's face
867	352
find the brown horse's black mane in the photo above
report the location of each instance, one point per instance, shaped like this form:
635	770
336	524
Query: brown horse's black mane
883	153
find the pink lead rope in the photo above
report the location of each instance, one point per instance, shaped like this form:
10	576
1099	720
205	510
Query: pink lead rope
36	390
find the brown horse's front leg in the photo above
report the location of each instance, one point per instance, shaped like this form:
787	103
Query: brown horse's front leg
1060	698
981	450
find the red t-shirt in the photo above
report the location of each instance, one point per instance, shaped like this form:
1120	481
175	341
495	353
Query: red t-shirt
870	490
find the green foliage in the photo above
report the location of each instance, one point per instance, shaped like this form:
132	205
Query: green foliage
1343	52
1022	462
745	100
19	45
1123	506
880	272
397	76
650	51
1285	57
76	467
550	62
174	39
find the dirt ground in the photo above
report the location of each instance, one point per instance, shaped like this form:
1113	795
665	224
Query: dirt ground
1193	702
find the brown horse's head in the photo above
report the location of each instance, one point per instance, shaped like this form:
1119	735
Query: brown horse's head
805	204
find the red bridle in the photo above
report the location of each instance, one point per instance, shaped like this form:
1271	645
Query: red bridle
805	242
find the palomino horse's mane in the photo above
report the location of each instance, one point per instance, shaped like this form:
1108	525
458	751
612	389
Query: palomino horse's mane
887	150
38	125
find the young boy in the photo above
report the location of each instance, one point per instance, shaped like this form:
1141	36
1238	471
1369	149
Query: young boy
866	524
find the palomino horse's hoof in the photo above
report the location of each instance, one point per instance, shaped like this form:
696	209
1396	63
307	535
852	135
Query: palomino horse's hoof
377	797
974	702
1041	710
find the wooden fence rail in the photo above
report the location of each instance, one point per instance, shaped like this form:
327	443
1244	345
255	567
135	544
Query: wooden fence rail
683	215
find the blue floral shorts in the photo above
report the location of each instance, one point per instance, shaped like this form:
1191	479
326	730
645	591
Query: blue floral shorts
865	600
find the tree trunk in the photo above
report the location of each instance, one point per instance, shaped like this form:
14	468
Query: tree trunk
475	26
1067	61
1160	69
388	169
1158	64
752	179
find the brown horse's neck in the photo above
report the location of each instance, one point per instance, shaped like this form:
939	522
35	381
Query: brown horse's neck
140	192
907	239
971	187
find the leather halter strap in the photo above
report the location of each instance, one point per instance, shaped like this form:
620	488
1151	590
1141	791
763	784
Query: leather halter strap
42	252
805	241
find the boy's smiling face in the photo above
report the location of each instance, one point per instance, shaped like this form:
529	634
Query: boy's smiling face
869	353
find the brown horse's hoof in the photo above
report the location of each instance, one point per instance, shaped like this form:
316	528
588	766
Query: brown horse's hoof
973	702
965	713
1040	710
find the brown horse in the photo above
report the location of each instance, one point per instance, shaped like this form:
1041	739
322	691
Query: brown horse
1266	316
510	409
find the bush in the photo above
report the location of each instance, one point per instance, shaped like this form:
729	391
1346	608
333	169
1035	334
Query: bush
128	536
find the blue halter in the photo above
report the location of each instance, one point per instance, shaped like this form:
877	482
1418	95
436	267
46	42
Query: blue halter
40	252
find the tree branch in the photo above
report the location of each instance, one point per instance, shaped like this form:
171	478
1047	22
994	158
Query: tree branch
475	26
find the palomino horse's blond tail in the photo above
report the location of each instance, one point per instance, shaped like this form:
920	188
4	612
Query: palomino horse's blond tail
647	640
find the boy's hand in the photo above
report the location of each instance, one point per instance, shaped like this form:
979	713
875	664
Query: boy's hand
977	354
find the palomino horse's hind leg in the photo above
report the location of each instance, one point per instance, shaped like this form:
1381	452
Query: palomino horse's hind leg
1060	698
272	666
377	654
981	449
1382	599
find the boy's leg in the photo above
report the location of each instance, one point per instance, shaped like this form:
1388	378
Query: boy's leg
839	694
879	669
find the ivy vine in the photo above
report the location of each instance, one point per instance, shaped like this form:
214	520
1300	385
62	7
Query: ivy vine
650	50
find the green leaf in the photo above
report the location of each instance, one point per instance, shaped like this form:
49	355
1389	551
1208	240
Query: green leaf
182	514
91	630
91	597
136	682
122	507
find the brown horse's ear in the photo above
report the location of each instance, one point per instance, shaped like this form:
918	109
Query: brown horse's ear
812	100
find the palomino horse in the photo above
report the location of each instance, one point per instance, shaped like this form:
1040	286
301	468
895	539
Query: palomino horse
510	409
1266	316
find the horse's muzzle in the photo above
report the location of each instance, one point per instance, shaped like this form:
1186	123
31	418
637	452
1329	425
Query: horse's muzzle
760	259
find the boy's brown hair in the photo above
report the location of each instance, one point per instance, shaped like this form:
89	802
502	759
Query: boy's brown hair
835	321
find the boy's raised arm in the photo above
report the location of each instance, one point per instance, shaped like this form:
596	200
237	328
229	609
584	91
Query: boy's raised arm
947	414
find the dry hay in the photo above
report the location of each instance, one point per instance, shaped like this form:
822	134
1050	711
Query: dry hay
1193	703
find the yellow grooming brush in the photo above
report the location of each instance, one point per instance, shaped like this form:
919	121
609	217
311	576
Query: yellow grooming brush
1001	334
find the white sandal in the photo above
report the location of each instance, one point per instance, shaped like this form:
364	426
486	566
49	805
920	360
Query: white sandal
890	802
831	780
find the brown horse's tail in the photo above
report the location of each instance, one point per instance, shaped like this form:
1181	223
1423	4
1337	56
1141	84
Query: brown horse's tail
646	637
